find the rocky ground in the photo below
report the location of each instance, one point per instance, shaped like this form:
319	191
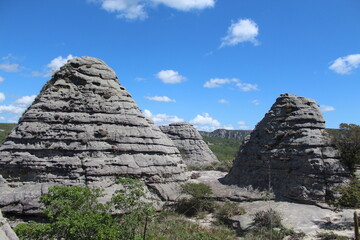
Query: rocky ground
308	218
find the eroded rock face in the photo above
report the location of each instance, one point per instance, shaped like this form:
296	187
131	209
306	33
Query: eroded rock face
6	232
188	140
291	146
84	128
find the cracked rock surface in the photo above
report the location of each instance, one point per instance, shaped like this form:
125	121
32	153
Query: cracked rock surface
188	140
290	150
84	128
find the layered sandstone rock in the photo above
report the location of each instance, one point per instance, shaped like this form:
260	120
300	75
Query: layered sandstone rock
188	140
290	151
6	232
84	128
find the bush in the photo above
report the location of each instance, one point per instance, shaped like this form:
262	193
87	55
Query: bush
168	226
330	236
267	219
267	225
347	140
350	195
227	210
74	213
200	200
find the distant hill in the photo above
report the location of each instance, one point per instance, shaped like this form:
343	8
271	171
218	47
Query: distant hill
228	134
5	129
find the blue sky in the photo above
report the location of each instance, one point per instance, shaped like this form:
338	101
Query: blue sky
214	63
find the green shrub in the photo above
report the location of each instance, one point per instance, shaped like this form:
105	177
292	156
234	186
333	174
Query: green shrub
227	210
347	140
267	219
350	195
200	200
330	236
74	213
267	225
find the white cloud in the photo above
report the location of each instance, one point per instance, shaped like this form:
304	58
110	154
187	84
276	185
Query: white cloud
17	107
205	122
243	125
223	101
244	30
246	87
187	5
1	79
56	64
160	99
2	97
129	9
255	102
25	100
162	118
228	127
170	76
2	118
217	82
140	79
12	109
326	108
137	9
344	65
10	67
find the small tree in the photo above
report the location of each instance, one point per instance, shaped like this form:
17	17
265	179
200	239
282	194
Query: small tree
74	213
347	140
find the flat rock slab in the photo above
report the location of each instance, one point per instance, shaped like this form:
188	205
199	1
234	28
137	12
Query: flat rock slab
309	219
225	192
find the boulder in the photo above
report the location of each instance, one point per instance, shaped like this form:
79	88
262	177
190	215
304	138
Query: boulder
290	152
6	232
194	151
84	128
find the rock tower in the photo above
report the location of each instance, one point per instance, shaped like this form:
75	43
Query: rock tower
290	150
190	143
84	128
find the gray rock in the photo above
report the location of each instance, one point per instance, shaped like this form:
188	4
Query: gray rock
6	233
187	139
229	134
309	219
290	151
84	128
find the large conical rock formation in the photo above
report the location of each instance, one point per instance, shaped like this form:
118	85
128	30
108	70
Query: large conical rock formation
84	128
291	146
190	143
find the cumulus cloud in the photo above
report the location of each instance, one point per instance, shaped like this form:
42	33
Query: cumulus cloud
162	118
244	30
170	76
218	82
25	100
223	101
11	109
345	65
56	64
187	5
326	108
246	87
255	102
160	99
205	122
228	127
17	107
2	97
1	79
243	125
10	67
137	9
